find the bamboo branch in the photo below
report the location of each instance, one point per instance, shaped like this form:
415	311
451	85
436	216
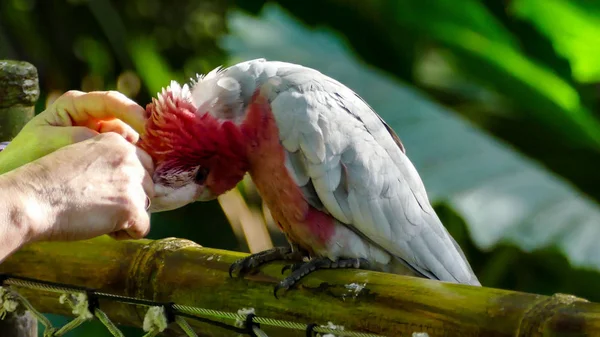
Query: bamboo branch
240	215
19	90
176	270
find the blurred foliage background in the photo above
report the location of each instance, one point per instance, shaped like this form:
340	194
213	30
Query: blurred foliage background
496	101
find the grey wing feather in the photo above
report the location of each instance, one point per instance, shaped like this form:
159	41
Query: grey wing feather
354	166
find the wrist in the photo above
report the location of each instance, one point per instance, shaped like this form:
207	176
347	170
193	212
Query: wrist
25	215
15	227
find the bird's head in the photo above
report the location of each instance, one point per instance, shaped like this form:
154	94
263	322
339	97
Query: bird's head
197	156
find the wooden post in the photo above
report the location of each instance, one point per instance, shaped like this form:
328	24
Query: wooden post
19	91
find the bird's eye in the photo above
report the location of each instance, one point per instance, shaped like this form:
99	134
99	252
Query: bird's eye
201	175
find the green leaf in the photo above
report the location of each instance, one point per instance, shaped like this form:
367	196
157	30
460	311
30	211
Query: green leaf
572	26
150	65
503	196
490	57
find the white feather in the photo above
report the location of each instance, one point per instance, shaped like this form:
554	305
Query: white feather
344	159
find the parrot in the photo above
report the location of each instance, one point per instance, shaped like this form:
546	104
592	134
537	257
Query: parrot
334	175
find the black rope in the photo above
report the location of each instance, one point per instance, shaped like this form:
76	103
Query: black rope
93	301
91	293
310	330
128	300
249	323
210	321
170	312
93	297
3	277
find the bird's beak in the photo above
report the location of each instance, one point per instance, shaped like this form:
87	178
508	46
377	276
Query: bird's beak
160	204
168	198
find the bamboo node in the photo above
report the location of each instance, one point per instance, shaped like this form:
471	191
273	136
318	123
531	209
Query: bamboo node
147	265
534	319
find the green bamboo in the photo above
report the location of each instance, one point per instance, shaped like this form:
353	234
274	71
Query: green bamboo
19	91
176	270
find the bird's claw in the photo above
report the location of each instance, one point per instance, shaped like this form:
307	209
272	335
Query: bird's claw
277	288
232	267
300	270
242	266
293	267
251	263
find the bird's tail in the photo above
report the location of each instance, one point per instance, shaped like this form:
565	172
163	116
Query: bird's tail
400	267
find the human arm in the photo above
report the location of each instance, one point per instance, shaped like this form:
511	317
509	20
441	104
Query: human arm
80	191
51	190
15	225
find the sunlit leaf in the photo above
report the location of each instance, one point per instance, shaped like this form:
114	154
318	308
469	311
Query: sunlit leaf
500	63
573	29
503	195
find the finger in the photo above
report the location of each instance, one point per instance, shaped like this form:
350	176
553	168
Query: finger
76	108
80	133
120	235
145	159
148	185
117	126
137	222
60	137
139	226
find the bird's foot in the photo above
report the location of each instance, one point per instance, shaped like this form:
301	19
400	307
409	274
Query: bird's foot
299	270
250	263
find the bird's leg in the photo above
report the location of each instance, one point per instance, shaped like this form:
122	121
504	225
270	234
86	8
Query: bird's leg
299	270
250	263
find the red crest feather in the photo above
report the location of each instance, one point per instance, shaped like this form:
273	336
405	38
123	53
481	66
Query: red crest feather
177	136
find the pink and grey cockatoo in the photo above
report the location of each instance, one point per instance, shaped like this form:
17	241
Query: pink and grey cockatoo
334	175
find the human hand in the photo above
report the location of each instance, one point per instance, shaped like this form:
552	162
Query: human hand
87	189
73	117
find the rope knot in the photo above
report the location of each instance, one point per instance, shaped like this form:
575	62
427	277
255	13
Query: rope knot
155	319
252	328
79	304
8	302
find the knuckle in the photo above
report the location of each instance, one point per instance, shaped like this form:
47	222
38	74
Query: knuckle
128	208
82	134
117	141
72	93
108	135
67	98
139	230
114	94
